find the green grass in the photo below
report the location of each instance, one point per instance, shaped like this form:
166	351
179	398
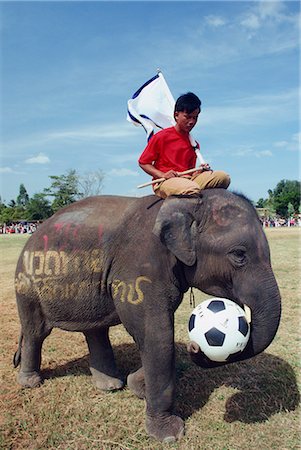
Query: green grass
250	405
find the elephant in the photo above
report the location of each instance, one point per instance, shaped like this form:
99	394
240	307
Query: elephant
106	260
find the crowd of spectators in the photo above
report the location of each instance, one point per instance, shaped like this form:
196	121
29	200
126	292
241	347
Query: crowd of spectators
19	228
31	227
276	222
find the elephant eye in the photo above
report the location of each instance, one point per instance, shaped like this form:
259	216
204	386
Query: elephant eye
238	256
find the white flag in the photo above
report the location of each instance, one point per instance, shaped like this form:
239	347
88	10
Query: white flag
152	106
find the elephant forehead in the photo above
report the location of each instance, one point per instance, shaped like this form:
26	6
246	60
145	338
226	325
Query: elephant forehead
226	214
221	240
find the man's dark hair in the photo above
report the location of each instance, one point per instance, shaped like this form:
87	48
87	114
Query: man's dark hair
188	103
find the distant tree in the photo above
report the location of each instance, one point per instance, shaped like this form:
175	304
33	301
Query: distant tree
64	189
286	191
12	203
23	197
6	215
261	203
2	205
290	210
11	214
91	183
38	207
19	213
3	209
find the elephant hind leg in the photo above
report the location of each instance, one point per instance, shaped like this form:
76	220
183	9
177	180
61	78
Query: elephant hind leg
136	383
34	330
29	355
104	372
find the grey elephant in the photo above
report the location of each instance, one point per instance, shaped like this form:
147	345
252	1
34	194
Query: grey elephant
108	260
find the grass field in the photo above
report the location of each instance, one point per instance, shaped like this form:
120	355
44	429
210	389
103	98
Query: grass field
249	405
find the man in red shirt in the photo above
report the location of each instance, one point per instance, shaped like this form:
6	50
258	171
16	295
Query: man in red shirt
170	152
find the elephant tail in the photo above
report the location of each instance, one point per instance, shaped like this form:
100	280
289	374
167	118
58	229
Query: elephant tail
17	355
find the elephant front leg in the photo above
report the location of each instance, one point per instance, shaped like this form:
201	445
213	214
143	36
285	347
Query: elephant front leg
158	364
102	362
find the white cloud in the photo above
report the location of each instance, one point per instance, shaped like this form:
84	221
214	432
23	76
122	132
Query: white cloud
252	110
270	9
215	21
264	12
263	153
292	145
107	131
251	34
88	133
123	173
118	158
251	152
280	144
39	159
251	22
9	170
243	152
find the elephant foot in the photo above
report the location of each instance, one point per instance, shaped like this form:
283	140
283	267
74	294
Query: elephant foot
136	383
165	428
29	379
105	382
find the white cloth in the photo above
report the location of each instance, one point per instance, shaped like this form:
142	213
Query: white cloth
152	106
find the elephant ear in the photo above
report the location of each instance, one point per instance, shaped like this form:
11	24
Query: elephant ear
176	228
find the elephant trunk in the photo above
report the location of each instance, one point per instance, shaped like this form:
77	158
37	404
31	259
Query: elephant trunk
265	305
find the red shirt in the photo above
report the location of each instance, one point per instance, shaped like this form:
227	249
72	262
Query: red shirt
169	150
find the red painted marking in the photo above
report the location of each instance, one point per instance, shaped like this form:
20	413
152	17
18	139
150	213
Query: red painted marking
58	226
66	228
75	231
45	238
70	230
68	233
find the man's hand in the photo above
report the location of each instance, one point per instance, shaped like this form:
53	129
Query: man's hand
170	174
173	173
202	168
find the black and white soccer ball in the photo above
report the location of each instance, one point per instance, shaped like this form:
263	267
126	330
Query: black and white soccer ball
220	327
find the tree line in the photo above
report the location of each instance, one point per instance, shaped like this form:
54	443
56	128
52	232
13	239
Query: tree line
282	201
63	190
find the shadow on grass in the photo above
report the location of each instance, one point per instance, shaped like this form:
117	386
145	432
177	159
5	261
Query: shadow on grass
265	384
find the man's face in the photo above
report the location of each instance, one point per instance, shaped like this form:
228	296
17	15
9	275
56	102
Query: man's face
186	121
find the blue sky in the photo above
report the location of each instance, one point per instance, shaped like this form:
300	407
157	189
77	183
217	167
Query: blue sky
68	69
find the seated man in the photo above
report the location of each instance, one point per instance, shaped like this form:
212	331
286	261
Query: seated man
170	152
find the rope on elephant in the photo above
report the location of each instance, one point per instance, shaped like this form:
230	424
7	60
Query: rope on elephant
191	298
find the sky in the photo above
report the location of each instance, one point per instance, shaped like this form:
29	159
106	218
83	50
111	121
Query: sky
69	68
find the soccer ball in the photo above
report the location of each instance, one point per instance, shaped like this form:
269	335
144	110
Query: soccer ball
219	326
